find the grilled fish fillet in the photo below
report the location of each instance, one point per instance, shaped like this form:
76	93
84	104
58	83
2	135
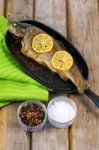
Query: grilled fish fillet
27	35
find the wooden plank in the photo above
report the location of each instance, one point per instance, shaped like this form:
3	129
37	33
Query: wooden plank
83	31
51	13
12	136
2	7
20	9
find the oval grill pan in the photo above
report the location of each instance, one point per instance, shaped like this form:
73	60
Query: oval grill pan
40	73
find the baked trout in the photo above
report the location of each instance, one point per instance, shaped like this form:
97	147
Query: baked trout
26	34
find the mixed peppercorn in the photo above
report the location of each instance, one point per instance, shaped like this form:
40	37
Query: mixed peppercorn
32	114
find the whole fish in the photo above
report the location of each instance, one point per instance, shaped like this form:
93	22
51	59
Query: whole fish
26	34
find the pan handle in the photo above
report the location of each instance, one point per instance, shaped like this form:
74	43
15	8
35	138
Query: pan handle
92	96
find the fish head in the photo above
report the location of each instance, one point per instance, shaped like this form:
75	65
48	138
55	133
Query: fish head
16	29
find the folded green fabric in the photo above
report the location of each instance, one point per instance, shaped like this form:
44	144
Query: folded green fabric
15	84
3	24
12	90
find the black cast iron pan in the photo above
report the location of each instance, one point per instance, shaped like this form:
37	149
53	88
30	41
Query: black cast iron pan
42	74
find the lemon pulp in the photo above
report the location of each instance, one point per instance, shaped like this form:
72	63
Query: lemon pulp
42	43
62	60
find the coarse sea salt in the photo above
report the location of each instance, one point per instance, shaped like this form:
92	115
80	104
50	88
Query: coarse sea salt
61	111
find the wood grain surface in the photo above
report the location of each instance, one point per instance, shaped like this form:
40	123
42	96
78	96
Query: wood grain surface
11	135
49	12
19	9
79	21
83	32
2	7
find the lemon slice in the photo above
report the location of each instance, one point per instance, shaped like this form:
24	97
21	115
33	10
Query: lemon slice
62	60
42	43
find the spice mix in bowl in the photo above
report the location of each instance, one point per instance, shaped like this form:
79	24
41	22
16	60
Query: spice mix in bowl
32	115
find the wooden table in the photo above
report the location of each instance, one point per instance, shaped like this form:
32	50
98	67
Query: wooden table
78	20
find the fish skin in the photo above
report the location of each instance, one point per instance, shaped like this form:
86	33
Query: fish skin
44	59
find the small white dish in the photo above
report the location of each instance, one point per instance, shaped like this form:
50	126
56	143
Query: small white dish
51	118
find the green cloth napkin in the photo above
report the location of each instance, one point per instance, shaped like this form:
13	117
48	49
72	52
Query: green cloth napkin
15	84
